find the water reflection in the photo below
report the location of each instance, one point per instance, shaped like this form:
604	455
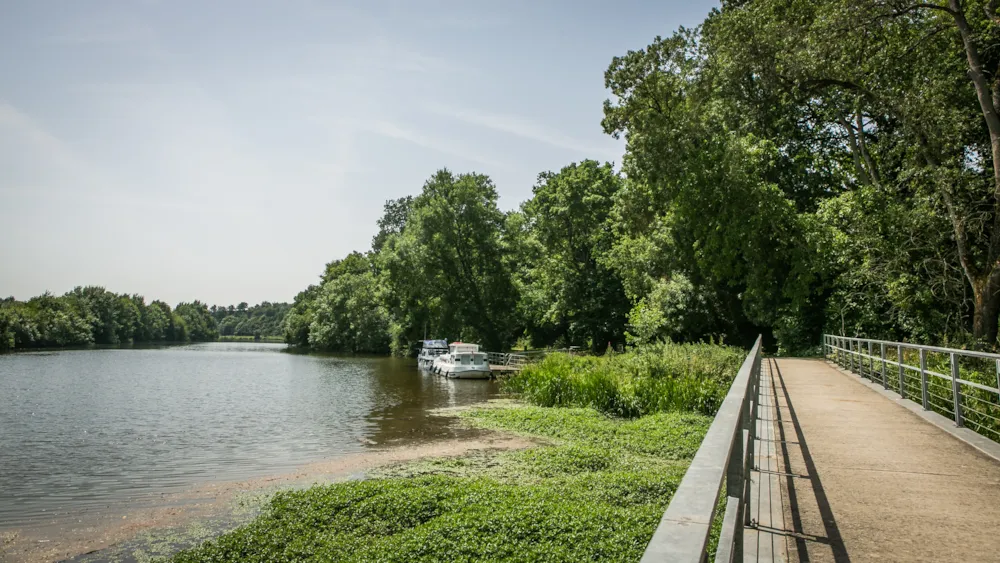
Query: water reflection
83	430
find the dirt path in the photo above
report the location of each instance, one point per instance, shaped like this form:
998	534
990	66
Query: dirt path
871	481
225	501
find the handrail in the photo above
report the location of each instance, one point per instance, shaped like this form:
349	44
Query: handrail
725	453
849	353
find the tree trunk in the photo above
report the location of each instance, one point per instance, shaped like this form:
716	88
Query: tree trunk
986	302
983	91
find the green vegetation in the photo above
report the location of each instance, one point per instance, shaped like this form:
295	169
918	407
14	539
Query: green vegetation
651	379
266	319
791	167
581	499
95	316
592	489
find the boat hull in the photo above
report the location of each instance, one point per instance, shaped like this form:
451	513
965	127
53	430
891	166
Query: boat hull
471	374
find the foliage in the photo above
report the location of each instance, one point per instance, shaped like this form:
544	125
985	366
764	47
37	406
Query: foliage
596	494
348	312
93	315
265	319
791	167
198	321
576	296
654	378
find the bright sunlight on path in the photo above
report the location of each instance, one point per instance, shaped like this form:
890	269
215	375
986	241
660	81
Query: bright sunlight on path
864	479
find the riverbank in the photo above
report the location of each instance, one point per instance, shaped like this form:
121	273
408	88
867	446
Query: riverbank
268	339
183	520
593	489
598	456
615	435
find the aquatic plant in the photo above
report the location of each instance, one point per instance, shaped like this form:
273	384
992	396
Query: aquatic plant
595	492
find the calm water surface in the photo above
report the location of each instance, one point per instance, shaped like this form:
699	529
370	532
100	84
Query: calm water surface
83	430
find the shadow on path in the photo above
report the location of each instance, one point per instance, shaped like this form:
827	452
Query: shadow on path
833	538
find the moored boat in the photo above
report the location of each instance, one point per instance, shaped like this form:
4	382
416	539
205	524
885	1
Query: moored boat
463	361
431	349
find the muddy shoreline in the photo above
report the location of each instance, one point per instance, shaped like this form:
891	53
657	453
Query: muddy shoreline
176	521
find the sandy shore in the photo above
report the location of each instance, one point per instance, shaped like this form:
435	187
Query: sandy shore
211	508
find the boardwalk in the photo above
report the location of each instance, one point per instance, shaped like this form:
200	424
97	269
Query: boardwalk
863	478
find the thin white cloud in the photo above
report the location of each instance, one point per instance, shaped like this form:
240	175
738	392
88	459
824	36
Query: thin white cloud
520	127
394	131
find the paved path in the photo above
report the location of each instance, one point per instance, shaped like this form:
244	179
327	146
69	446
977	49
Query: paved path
868	480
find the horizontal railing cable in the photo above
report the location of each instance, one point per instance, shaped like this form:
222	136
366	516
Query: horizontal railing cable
956	393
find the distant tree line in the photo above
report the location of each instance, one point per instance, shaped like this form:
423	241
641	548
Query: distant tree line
266	319
790	167
94	315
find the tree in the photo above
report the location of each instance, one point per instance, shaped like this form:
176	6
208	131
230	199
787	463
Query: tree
569	216
395	214
910	90
458	228
704	199
197	322
348	312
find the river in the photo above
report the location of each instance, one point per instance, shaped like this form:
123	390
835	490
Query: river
93	431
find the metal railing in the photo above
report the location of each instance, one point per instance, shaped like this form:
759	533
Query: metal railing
502	359
726	454
972	404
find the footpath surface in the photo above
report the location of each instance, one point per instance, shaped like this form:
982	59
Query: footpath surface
864	479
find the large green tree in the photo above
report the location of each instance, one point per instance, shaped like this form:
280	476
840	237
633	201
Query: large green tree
578	298
908	91
704	199
445	271
349	314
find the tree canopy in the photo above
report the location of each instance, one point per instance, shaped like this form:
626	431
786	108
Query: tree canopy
791	167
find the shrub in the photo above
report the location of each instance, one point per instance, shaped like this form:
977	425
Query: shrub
654	378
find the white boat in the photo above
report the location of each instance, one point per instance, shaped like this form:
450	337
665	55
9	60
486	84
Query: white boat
463	361
431	349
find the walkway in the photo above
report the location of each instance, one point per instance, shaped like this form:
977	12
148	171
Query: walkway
864	479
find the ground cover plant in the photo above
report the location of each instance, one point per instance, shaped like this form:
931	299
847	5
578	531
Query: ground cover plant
592	489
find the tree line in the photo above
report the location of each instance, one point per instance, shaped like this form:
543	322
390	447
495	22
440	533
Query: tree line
791	167
265	319
93	315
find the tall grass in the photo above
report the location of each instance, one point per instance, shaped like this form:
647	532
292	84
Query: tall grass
654	378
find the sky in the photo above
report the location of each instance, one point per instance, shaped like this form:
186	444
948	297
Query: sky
225	150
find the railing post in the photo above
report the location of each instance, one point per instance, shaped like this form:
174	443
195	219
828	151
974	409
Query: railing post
850	355
923	380
899	360
885	382
955	392
998	379
871	362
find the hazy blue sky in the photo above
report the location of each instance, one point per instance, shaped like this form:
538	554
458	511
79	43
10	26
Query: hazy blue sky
226	150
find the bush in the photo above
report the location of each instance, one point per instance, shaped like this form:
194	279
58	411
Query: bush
654	378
